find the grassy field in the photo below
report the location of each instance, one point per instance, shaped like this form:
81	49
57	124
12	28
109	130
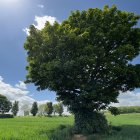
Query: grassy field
130	127
30	128
36	128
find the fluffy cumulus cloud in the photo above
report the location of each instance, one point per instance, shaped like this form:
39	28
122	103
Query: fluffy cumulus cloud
18	93
40	22
128	99
21	85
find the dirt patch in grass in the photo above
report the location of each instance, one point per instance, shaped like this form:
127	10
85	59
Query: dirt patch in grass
79	137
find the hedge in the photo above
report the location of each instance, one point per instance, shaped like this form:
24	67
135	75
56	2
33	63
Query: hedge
6	116
129	109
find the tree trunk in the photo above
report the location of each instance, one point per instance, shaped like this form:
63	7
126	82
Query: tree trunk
90	122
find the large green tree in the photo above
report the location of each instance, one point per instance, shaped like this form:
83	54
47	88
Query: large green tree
86	60
15	108
5	104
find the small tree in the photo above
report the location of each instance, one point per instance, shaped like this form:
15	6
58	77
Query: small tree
41	110
55	108
48	108
26	109
58	108
26	112
15	108
5	104
34	109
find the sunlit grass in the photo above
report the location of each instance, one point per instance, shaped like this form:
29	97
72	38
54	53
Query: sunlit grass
38	128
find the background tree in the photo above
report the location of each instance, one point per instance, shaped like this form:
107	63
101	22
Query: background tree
26	112
86	61
26	108
54	108
48	108
41	110
15	108
58	108
34	109
5	104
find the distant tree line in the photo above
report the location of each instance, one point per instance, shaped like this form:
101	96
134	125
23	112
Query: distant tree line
129	109
6	106
47	109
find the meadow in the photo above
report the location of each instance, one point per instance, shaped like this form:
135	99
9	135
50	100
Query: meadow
38	128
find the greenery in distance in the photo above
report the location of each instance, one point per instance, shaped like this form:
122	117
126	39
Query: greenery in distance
86	61
5	104
129	109
38	128
15	108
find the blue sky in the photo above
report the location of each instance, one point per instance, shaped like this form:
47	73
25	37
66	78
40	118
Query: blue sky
16	15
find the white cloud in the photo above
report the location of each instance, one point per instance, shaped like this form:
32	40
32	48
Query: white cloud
40	6
21	85
42	102
8	89
26	30
17	93
40	22
128	99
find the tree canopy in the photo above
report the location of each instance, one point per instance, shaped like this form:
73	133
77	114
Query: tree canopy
15	108
86	59
48	108
34	108
5	104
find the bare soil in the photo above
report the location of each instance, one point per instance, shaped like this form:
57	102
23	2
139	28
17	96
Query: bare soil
79	137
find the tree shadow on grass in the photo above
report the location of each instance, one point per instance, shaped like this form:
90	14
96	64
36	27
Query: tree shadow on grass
125	132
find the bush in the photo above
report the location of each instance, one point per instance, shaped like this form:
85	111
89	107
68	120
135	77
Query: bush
96	123
62	133
6	116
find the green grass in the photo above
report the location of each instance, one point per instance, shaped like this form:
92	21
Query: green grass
130	128
30	128
37	128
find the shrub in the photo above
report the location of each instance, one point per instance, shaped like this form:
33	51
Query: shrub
6	116
62	132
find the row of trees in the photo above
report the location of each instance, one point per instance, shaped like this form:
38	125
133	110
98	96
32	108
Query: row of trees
42	110
6	106
47	109
129	109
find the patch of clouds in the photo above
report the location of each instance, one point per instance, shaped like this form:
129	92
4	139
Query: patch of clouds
40	6
40	21
18	93
128	99
27	31
21	85
42	102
